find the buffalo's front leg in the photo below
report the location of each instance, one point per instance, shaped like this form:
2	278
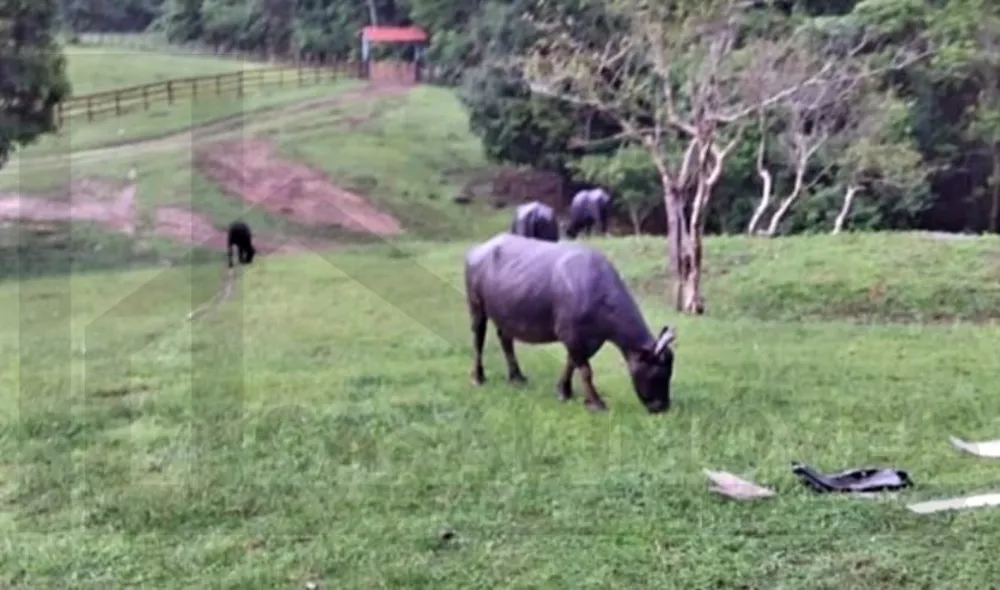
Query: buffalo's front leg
514	373
580	357
564	387
229	255
593	401
478	340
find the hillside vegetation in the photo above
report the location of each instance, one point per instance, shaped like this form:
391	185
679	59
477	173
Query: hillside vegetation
324	430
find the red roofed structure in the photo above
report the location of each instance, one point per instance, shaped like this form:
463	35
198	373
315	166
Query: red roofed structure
394	34
398	71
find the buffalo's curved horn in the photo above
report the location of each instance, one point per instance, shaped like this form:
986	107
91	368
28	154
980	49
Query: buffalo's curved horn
665	341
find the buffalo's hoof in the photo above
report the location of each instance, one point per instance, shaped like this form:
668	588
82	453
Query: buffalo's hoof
564	395
518	380
477	378
596	405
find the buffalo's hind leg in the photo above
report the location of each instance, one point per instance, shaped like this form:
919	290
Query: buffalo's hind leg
514	374
478	340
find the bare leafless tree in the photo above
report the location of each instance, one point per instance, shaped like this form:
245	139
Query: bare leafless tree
869	157
806	120
676	82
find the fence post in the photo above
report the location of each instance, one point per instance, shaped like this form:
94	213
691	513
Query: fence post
90	108
145	97
240	81
170	92
118	104
194	89
218	84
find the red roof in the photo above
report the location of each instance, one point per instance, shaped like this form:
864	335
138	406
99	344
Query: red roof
394	34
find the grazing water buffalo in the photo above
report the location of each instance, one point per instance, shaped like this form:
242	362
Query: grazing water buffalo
540	292
240	237
588	208
536	220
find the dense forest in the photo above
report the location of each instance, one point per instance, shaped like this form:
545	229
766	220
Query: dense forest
793	115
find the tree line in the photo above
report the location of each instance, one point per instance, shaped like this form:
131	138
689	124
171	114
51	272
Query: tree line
764	117
939	117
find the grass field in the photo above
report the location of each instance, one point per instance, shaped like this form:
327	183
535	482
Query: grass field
97	69
320	427
161	118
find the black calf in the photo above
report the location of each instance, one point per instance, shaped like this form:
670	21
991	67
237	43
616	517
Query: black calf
240	237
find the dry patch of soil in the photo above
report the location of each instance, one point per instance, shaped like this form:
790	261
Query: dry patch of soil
111	204
253	171
107	202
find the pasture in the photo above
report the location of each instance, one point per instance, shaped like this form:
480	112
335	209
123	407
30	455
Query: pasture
319	426
97	69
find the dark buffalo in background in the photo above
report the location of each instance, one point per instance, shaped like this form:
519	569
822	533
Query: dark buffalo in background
239	236
540	292
589	208
536	220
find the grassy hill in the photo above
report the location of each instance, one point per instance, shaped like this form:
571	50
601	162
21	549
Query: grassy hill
362	140
320	427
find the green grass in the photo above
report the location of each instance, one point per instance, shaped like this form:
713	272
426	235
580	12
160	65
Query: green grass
854	276
162	119
98	69
320	427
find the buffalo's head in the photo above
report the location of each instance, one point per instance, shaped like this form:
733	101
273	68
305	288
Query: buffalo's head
651	369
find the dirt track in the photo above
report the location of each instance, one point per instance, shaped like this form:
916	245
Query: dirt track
249	170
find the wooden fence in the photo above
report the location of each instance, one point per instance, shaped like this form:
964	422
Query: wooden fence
122	101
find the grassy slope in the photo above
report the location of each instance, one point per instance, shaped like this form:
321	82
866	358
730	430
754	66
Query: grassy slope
376	157
98	69
411	156
162	119
352	436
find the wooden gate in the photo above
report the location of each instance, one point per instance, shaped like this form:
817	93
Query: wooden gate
392	72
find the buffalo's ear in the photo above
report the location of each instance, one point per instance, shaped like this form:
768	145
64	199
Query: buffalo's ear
665	341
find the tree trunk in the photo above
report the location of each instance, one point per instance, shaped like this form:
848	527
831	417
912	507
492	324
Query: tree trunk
675	242
765	201
845	209
765	193
995	203
693	302
633	213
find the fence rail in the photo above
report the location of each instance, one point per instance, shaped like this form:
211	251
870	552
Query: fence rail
122	101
